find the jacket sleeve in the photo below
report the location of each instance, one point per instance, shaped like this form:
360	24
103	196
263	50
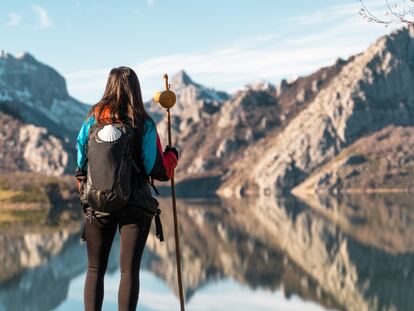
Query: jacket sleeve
81	142
157	164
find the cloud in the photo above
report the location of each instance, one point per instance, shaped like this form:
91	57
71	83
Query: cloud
14	19
43	17
271	56
336	13
150	3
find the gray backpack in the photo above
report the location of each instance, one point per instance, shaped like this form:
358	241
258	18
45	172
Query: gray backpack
109	153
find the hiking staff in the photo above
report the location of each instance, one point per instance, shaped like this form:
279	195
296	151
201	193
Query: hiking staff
167	100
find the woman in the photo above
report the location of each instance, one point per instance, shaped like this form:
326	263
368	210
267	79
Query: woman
122	103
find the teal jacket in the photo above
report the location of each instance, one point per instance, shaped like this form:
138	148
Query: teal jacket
156	163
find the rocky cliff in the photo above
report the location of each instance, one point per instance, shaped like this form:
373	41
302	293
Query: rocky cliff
371	91
39	118
221	127
262	139
26	147
195	109
38	95
382	161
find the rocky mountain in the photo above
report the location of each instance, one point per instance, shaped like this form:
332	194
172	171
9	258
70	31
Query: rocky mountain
37	94
372	90
220	127
26	147
195	107
382	161
194	103
39	118
262	139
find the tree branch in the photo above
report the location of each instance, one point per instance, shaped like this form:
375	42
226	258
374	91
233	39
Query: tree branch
398	12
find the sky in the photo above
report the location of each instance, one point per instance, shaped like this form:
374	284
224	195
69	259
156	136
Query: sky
156	296
224	44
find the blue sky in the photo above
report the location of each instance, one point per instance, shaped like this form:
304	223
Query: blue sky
223	44
156	296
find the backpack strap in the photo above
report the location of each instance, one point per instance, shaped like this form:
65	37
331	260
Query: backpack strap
135	166
153	186
158	226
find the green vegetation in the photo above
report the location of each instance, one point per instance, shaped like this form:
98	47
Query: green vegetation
7	195
27	198
22	216
32	196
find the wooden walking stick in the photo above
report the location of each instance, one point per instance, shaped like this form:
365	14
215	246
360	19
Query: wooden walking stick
167	99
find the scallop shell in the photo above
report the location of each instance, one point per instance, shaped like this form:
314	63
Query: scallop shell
109	133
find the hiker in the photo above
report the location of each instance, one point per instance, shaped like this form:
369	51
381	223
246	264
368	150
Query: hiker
120	115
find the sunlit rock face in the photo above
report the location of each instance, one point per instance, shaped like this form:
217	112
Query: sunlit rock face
37	94
39	118
195	109
371	91
382	161
213	129
26	147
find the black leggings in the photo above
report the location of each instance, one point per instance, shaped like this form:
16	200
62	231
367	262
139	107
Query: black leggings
99	236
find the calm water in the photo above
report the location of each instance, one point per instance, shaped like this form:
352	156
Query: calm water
344	253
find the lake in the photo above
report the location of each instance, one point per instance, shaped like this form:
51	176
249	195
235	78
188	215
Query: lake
349	252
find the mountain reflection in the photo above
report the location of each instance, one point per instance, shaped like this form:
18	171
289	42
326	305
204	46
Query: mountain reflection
345	253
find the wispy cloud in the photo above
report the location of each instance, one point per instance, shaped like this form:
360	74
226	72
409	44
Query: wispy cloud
14	19
336	13
150	3
42	16
271	56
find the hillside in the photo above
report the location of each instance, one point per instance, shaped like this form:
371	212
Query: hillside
29	148
383	161
371	91
262	139
220	127
37	94
40	119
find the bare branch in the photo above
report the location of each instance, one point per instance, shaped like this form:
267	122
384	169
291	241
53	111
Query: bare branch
399	11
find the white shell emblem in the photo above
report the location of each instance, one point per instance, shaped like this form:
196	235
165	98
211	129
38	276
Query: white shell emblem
109	133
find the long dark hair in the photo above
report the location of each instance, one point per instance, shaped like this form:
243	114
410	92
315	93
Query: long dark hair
123	99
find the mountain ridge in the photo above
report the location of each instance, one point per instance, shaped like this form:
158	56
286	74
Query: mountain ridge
372	91
40	94
262	139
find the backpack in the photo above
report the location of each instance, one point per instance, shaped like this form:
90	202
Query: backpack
109	153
